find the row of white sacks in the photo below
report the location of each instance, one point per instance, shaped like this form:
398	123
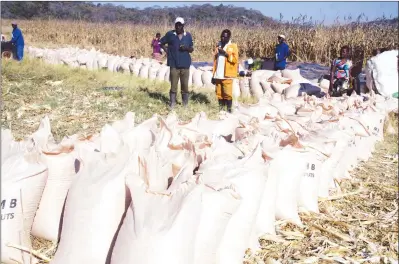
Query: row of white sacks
95	60
165	191
261	82
381	72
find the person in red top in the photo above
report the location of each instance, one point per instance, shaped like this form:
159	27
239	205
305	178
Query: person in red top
156	47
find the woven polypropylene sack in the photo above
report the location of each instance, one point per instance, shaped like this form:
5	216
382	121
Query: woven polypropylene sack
289	180
63	165
98	195
23	181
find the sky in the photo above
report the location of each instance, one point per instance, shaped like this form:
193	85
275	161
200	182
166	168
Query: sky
319	11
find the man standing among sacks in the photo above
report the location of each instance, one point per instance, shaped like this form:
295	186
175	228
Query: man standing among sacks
225	69
180	45
282	52
18	41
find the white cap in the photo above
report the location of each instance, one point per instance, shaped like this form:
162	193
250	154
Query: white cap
179	20
250	61
282	36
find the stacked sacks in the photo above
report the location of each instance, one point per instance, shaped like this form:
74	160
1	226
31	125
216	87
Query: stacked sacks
262	81
289	83
96	60
211	187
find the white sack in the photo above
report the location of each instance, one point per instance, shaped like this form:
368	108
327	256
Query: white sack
62	167
159	227
162	73
167	75
309	187
144	71
206	77
267	88
245	87
385	72
136	68
23	179
294	75
265	219
292	91
152	72
324	84
190	76
289	179
98	196
248	176
256	88
219	203
279	87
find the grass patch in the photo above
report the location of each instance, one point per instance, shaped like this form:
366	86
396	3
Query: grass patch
76	101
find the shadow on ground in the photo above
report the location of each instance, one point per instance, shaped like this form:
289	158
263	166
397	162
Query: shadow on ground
194	96
199	98
155	95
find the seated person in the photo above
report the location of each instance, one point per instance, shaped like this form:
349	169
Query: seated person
340	73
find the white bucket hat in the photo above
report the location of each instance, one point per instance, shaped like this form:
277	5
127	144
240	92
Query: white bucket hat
281	36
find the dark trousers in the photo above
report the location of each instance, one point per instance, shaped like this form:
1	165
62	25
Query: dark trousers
18	52
175	75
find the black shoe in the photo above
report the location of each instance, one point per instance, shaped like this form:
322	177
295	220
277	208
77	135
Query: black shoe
229	103
172	100
184	98
221	104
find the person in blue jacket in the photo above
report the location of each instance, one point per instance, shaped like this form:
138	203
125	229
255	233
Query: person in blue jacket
18	41
282	52
180	45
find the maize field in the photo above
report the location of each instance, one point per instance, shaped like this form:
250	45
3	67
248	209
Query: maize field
317	44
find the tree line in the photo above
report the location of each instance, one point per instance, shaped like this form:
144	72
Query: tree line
88	11
205	14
